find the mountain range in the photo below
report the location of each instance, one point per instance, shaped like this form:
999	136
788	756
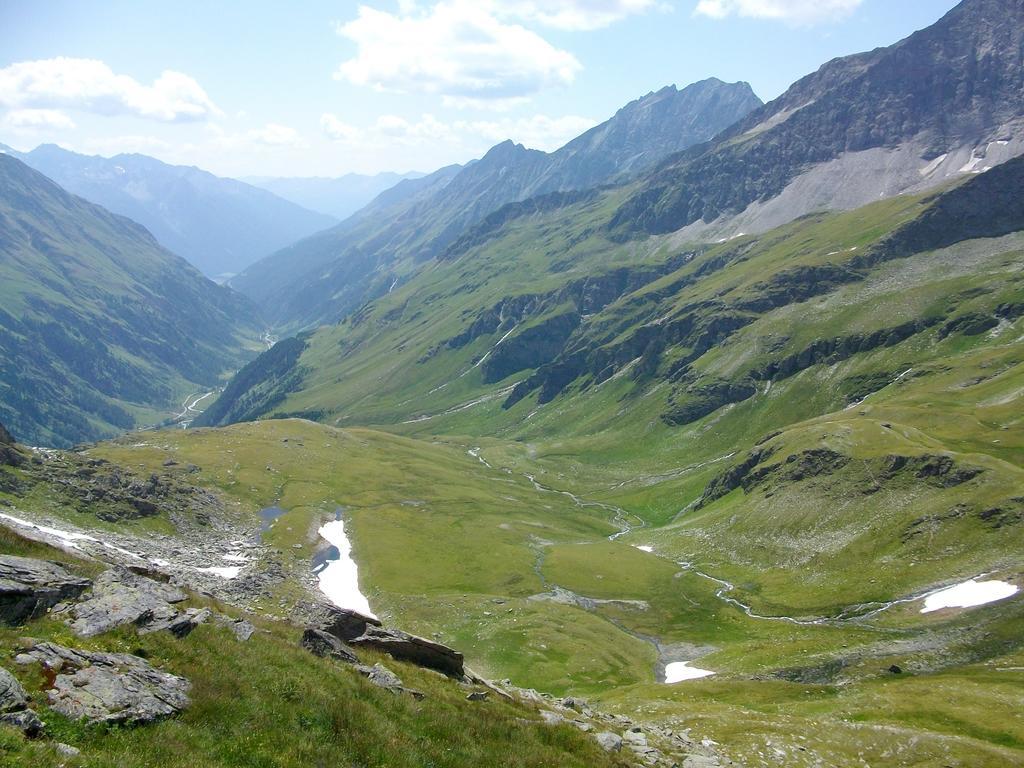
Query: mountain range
698	442
102	328
218	225
330	274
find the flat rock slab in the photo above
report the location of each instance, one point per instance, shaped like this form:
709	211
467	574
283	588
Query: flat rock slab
30	587
406	647
108	687
120	597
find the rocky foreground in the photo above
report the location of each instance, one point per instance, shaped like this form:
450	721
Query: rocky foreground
120	688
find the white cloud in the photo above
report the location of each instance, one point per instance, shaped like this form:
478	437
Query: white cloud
792	11
38	119
90	85
271	135
274	135
574	14
459	49
474	136
337	130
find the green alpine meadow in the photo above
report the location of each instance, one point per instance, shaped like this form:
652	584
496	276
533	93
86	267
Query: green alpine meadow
445	390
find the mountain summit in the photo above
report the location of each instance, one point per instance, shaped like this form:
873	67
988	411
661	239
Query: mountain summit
946	100
219	225
333	272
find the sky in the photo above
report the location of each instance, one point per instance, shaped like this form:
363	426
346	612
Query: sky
318	88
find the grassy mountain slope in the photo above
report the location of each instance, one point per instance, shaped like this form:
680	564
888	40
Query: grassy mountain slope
219	225
871	359
324	278
102	328
820	693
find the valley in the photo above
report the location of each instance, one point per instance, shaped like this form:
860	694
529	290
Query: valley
694	442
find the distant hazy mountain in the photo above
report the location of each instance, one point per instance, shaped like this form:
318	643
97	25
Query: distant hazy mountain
339	197
337	270
945	101
219	225
100	327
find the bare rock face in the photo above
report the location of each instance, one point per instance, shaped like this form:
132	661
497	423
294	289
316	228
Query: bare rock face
418	650
14	706
358	630
324	644
122	597
345	624
108	687
29	588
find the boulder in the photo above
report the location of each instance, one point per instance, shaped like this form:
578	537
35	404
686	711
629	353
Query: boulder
14	706
383	677
346	625
120	597
477	696
405	647
29	588
610	742
243	629
25	720
12	695
108	687
324	644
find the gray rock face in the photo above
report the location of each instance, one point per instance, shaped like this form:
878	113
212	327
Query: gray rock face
324	644
14	706
108	687
29	588
383	677
346	625
25	720
610	742
12	695
121	597
406	647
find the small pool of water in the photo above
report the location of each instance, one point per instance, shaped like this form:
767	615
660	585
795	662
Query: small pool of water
324	557
267	517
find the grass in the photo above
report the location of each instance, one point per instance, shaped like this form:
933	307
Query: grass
268	702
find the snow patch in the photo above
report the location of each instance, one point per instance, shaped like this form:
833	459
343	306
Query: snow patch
66	537
644	547
235	558
339	580
968	595
678	671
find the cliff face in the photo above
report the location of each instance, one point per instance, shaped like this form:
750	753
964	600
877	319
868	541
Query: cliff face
957	85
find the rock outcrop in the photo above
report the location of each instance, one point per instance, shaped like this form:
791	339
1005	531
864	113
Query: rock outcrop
418	650
361	631
324	644
29	588
14	708
121	597
383	677
107	687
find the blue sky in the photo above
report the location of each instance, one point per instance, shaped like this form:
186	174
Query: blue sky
326	88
